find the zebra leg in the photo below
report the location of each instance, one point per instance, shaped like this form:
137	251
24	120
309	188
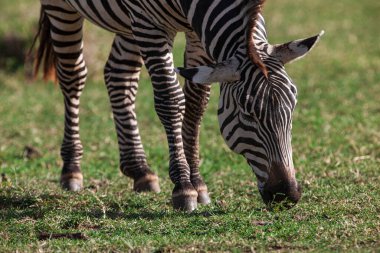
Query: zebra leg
66	33
197	97
156	49
122	74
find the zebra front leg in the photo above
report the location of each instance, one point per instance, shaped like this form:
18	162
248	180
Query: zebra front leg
122	74
196	102
170	105
197	97
65	27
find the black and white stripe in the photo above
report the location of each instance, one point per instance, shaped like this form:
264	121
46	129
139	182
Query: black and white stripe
255	112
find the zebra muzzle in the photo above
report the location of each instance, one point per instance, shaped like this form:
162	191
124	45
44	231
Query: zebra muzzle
284	193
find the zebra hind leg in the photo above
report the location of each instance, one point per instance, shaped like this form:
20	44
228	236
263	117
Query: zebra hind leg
65	27
121	75
197	97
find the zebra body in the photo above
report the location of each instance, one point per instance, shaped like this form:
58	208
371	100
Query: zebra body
256	101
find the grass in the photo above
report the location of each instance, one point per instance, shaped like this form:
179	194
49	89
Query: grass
336	142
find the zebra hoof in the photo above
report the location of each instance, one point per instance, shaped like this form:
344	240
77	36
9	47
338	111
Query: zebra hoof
203	198
147	183
185	198
201	188
185	203
72	182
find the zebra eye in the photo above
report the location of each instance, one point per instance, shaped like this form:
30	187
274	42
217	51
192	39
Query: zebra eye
249	118
293	88
247	109
255	118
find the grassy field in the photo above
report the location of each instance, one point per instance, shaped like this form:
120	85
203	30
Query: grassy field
336	142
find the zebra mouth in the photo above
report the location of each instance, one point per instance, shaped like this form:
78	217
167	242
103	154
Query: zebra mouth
284	194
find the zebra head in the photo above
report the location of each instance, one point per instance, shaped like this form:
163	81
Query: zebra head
257	101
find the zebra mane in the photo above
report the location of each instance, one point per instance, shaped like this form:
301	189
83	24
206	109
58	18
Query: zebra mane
254	9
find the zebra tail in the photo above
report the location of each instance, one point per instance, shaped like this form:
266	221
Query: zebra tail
44	56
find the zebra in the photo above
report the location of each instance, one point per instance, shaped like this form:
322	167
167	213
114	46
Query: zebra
226	42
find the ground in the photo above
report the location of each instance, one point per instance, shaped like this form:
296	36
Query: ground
336	146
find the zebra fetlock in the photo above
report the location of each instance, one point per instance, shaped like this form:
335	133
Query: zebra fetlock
71	175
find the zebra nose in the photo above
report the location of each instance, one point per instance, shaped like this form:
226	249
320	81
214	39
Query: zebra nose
288	194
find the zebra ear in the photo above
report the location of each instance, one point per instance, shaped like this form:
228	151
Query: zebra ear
226	71
294	50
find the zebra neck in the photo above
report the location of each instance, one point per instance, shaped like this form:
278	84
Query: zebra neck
220	25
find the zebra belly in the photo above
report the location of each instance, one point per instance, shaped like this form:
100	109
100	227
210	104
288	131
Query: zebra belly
111	15
164	14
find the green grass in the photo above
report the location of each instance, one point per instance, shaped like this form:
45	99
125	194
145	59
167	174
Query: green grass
336	142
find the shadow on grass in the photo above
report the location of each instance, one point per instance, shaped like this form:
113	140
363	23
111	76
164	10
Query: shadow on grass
149	215
26	206
19	206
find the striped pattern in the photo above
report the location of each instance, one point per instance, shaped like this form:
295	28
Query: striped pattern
255	112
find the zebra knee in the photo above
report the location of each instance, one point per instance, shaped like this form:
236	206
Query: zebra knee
170	108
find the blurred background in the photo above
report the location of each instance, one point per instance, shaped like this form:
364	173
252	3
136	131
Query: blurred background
336	137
